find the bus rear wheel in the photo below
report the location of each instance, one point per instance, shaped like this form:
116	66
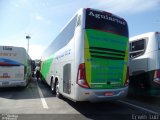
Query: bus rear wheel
57	90
53	88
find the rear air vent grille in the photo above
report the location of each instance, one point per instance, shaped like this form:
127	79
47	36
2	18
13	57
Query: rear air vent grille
107	53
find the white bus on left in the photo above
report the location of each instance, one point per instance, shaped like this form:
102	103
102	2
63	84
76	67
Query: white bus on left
15	66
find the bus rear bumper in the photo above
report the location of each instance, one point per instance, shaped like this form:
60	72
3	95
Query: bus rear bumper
101	95
14	83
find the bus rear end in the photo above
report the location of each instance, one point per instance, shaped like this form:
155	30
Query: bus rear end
104	73
145	64
12	68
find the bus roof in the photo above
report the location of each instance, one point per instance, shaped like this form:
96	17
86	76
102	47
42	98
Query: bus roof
142	36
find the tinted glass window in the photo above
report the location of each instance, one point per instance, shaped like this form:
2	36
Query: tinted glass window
63	38
138	45
137	48
106	22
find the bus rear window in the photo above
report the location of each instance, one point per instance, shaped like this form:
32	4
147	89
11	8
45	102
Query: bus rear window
137	48
106	22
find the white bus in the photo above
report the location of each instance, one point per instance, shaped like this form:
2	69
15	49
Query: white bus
15	66
145	63
88	60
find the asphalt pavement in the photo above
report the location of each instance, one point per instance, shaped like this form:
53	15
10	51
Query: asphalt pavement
38	103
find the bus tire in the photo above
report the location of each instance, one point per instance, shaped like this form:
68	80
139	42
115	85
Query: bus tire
53	87
57	90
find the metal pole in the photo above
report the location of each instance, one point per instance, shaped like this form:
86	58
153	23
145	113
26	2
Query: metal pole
28	37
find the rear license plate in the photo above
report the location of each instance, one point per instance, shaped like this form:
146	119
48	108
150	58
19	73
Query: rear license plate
108	94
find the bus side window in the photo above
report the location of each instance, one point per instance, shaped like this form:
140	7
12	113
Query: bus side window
137	48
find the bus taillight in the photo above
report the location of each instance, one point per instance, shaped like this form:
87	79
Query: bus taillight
81	76
157	76
25	71
127	77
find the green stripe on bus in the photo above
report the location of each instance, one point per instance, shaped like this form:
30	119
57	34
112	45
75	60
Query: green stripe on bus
45	67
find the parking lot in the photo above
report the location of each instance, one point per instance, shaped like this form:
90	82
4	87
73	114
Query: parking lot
37	102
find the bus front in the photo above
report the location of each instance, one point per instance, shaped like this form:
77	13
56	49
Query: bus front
104	73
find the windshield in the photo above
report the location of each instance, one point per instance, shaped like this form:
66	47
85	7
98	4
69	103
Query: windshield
106	22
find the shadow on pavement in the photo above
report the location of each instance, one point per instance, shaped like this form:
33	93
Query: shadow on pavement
111	110
153	100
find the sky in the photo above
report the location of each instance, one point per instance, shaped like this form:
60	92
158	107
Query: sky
42	20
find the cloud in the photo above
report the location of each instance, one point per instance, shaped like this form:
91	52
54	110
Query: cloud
125	6
39	18
43	20
35	51
18	40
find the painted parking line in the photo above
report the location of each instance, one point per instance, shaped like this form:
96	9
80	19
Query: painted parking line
44	103
139	107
